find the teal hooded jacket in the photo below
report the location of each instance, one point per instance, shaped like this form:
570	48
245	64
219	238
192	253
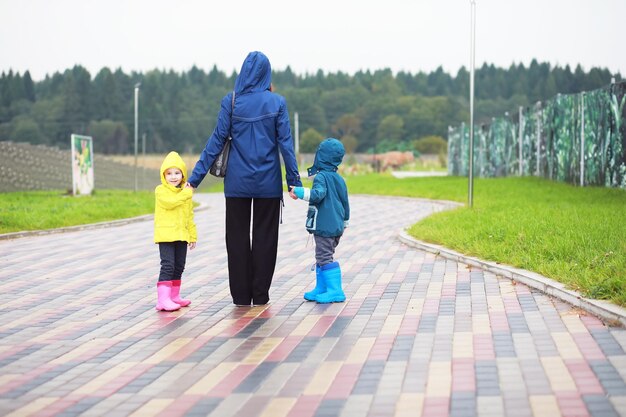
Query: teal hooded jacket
329	208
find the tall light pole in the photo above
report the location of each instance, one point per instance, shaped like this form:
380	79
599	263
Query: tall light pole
297	137
143	160
136	128
471	135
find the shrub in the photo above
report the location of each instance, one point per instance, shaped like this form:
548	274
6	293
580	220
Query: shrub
433	145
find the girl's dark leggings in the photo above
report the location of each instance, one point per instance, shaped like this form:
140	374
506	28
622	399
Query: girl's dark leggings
173	257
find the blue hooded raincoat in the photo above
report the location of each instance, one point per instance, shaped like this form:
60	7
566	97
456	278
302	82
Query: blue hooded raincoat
260	129
329	208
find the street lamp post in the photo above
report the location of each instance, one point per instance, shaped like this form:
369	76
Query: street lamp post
143	160
296	124
136	128
471	133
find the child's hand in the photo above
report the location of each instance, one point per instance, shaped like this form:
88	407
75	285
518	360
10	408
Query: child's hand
187	185
192	245
302	193
291	193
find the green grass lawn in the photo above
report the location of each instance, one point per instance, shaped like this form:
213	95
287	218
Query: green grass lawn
574	235
36	210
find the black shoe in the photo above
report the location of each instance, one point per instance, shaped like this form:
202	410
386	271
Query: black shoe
241	304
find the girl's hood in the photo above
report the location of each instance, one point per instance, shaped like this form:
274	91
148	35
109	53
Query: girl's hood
173	160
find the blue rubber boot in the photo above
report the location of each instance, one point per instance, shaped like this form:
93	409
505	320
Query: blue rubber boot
331	274
320	286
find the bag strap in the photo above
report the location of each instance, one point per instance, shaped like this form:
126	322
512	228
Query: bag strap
232	109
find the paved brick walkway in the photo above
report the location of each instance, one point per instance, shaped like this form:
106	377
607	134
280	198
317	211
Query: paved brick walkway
418	334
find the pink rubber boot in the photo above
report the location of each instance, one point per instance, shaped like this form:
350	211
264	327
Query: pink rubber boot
164	294
176	294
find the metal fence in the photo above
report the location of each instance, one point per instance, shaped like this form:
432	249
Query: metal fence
575	138
25	167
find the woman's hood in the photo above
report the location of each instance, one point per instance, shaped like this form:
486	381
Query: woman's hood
173	160
255	74
328	157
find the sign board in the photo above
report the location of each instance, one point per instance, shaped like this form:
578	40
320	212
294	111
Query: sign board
82	165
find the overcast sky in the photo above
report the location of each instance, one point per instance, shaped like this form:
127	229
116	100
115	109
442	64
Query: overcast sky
45	36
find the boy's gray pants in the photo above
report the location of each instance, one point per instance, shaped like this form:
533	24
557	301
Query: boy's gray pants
325	249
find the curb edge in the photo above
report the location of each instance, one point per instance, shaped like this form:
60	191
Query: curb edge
603	309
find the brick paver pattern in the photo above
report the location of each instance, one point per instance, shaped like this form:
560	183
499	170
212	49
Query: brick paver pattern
418	335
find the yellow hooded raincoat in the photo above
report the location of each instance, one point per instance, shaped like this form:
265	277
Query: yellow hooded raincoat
173	209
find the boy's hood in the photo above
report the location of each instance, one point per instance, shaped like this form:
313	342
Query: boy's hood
255	74
328	157
173	160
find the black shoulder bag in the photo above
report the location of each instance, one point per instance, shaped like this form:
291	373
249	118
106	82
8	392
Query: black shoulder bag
218	169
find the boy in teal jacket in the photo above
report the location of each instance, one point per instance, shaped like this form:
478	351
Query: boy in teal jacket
327	217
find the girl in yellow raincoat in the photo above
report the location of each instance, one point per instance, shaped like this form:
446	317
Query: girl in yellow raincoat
174	230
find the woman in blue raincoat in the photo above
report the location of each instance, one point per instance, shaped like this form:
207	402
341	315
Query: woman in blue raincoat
253	186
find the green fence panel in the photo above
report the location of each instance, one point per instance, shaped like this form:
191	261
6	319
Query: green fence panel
574	138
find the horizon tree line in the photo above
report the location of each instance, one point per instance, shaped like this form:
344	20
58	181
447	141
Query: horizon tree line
369	110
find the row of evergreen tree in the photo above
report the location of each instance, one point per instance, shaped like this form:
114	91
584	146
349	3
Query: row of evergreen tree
178	110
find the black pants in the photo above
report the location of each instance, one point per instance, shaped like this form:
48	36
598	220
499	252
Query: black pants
251	265
173	257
